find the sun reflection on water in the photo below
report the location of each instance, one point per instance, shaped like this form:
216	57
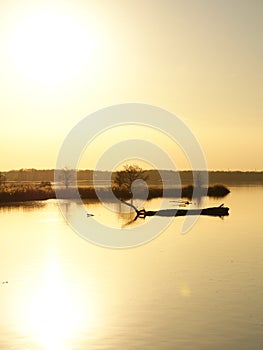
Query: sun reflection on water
57	311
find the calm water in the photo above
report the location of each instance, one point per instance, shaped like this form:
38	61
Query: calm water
202	290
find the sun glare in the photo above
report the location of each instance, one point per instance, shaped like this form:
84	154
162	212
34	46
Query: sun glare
56	313
49	46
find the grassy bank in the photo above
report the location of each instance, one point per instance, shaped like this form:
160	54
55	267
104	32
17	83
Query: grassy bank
33	192
25	192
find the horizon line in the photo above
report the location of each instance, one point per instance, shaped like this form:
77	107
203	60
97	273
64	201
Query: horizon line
151	169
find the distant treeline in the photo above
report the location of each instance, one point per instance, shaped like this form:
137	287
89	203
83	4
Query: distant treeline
154	177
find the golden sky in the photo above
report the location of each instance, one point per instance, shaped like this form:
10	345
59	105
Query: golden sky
62	60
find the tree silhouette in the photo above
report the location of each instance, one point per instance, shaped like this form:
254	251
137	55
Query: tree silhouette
67	176
129	174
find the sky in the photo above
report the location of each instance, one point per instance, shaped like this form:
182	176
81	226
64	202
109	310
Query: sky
63	60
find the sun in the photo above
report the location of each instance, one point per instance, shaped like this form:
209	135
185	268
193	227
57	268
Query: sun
50	46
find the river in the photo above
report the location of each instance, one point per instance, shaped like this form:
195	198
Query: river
200	290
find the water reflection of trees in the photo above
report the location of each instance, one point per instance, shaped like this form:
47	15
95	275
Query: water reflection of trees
24	206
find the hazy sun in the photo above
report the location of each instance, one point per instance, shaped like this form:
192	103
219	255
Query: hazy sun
50	46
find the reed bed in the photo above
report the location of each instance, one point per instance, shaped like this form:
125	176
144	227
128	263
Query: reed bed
44	191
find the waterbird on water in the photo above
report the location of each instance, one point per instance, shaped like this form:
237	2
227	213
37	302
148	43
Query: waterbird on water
182	202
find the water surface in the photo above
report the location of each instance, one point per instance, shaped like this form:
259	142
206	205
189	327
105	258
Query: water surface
201	290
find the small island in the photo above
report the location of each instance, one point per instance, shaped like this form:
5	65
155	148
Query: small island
38	185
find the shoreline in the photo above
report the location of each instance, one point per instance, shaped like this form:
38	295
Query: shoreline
29	193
